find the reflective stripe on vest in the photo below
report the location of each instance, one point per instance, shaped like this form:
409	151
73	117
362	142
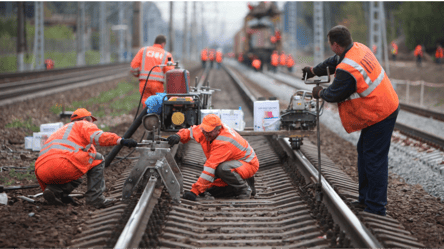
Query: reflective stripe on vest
61	143
207	177
158	76
191	132
209	170
249	152
371	84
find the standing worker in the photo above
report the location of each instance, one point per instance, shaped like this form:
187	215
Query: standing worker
68	154
274	60
256	64
212	57
394	50
231	161
282	59
438	54
374	49
290	63
240	57
144	61
204	57
219	57
418	54
49	64
366	102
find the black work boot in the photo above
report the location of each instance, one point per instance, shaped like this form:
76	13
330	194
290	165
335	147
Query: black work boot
51	197
244	192
250	182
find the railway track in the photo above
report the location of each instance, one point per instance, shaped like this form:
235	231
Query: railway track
284	213
50	82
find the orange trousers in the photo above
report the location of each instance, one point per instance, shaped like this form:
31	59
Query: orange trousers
152	87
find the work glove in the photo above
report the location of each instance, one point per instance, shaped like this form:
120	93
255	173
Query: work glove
307	71
189	196
316	91
173	139
128	142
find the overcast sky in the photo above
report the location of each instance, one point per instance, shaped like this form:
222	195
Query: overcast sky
230	12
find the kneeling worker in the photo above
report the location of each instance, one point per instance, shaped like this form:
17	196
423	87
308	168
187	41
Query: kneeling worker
69	153
231	161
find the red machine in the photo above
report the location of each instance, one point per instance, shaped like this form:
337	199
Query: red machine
177	81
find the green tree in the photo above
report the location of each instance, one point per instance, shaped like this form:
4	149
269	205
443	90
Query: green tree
352	17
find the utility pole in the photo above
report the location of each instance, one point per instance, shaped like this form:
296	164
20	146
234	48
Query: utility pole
193	34
384	38
375	29
202	13
39	40
121	32
171	30
185	32
21	41
318	33
103	32
292	25
80	34
129	9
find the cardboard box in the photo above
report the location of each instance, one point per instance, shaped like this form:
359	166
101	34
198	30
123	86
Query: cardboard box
233	118
205	112
264	109
28	143
38	139
52	127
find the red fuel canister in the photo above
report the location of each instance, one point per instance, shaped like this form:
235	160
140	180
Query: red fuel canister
177	81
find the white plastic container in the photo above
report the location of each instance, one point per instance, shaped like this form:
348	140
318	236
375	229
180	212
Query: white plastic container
271	124
51	127
265	109
28	143
205	112
233	118
38	139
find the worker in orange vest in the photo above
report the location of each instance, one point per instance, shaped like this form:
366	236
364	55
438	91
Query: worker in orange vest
204	57
418	54
368	103
145	61
69	153
219	57
394	50
438	54
374	49
231	162
49	64
274	60
256	64
282	59
240	57
212	57
273	39
290	63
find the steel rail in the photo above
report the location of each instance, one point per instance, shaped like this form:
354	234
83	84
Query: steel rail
362	237
135	227
422	112
431	139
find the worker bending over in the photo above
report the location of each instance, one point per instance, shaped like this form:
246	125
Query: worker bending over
68	154
144	61
368	103
231	161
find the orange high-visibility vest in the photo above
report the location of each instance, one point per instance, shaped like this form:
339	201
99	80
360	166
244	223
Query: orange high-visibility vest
228	146
212	55
204	55
49	64
282	59
375	99
290	61
219	56
240	58
256	64
274	59
418	51
439	53
394	49
74	142
273	39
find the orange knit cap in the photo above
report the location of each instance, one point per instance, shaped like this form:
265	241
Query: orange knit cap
81	113
210	122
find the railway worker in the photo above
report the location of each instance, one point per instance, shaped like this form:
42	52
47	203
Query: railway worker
212	57
366	102
49	64
240	57
418	54
204	57
145	60
256	64
219	57
439	54
374	49
274	60
69	153
231	161
290	63
282	59
394	50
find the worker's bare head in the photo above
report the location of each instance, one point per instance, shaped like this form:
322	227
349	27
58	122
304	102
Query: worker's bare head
160	39
339	38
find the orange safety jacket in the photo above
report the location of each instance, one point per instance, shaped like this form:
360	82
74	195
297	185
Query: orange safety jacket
256	64
290	61
212	55
49	64
418	51
282	59
394	49
240	58
228	146
219	57
375	99
74	142
204	55
146	59
274	59
439	53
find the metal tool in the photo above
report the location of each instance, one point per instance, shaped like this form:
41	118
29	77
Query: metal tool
318	131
